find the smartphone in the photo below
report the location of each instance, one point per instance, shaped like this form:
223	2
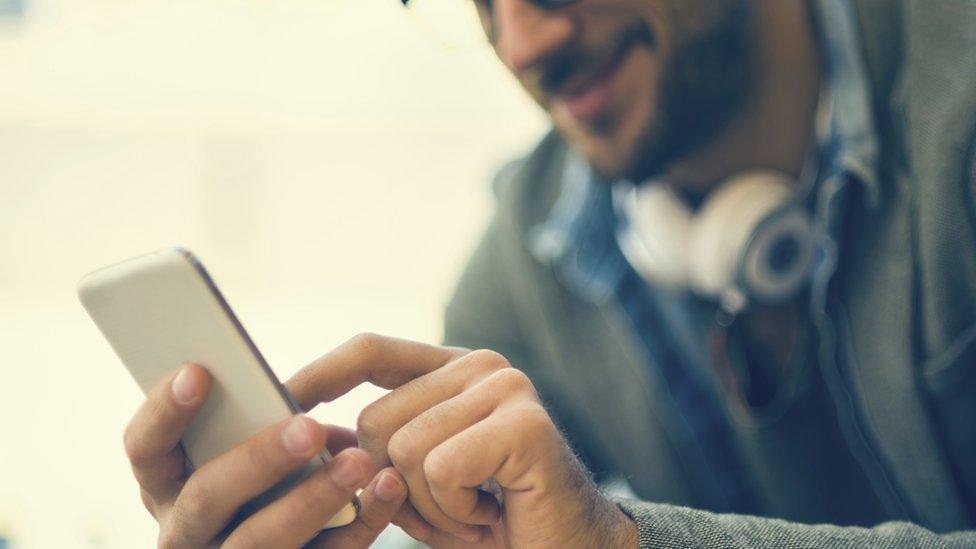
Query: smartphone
162	310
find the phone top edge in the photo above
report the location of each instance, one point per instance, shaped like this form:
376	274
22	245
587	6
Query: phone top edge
113	267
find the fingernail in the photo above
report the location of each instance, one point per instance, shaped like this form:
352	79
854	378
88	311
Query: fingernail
345	472
387	488
295	436
184	387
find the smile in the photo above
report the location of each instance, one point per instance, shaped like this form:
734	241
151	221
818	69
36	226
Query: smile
589	96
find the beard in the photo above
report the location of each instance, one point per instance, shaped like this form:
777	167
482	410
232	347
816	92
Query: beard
705	79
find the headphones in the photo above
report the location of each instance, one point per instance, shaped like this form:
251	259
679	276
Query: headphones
751	241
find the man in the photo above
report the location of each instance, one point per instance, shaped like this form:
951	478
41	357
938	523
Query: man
744	409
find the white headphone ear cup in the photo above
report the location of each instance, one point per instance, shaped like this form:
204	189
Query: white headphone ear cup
656	239
724	227
778	260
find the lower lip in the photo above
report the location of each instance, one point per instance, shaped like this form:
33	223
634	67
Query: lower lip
591	101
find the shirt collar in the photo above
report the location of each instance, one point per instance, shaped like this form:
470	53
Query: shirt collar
851	145
578	237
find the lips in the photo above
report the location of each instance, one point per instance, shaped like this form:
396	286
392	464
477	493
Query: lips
586	97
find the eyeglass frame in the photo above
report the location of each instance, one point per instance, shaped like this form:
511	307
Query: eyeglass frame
542	4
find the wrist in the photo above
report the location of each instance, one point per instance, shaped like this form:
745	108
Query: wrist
606	526
626	532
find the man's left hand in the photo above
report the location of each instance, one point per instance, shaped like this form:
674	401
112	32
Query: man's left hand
456	423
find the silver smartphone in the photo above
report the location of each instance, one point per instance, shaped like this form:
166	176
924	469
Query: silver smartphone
162	310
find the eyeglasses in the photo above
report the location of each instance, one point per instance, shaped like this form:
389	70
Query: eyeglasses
460	23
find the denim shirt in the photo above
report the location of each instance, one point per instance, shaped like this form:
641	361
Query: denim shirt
579	240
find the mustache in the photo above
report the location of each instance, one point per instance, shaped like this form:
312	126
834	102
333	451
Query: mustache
574	60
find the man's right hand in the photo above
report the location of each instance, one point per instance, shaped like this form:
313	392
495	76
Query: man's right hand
200	509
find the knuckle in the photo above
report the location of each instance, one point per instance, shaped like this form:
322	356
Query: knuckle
148	502
533	434
537	420
305	377
370	424
438	469
402	452
169	539
487	360
191	501
135	450
366	343
511	380
144	429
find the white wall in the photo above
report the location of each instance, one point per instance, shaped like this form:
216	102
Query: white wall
326	159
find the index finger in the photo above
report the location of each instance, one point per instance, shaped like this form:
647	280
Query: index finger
386	362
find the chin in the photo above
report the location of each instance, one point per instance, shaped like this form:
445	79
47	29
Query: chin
614	147
610	169
611	159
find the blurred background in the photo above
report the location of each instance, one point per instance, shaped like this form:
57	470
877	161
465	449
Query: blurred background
327	159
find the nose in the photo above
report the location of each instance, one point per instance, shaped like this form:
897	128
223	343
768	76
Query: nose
524	34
